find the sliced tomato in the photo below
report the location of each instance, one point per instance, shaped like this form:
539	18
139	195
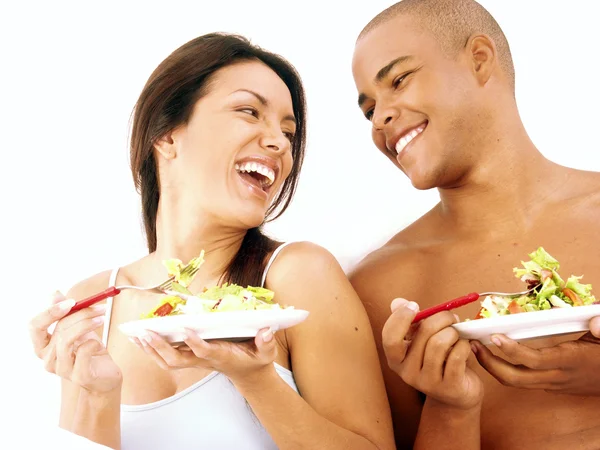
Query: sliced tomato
515	308
164	310
573	296
479	316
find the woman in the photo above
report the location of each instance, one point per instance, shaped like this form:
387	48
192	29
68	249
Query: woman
217	144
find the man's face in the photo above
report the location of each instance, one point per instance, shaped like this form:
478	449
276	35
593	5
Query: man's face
422	104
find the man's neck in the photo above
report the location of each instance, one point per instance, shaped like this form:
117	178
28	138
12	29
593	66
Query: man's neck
506	191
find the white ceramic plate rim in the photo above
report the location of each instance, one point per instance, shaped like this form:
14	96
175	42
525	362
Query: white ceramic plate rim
530	325
217	325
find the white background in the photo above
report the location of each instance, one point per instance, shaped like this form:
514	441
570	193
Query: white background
71	72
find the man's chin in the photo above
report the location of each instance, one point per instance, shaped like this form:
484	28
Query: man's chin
422	181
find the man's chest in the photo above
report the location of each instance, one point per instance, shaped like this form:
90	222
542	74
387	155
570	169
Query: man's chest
448	271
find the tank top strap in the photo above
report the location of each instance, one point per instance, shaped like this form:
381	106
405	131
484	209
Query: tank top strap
109	303
271	260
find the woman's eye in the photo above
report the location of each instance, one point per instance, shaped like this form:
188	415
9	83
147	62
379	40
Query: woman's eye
251	111
290	136
369	114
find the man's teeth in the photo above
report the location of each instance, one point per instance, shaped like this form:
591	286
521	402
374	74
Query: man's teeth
405	140
258	168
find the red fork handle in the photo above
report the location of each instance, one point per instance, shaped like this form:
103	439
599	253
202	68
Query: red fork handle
447	306
110	292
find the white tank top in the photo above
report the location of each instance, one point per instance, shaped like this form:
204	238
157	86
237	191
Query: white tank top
211	414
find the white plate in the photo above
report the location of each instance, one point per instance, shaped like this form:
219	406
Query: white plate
230	325
530	325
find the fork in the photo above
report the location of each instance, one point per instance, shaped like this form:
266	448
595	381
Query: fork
465	300
112	291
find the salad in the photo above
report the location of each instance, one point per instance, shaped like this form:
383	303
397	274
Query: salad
228	297
549	289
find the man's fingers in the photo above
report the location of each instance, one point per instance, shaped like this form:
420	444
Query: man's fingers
436	351
544	358
517	376
595	327
456	363
425	330
38	326
395	330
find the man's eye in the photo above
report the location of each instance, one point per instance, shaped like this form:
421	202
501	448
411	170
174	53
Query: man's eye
398	81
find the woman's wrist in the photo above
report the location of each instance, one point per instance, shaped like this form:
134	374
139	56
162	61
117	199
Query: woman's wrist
255	380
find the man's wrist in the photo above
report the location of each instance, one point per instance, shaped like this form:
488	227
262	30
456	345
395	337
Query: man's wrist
452	413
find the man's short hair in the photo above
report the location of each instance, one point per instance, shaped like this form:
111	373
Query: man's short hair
452	22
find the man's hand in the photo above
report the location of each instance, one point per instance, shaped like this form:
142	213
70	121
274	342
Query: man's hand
430	357
568	368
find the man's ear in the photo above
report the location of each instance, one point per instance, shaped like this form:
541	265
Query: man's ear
484	57
166	147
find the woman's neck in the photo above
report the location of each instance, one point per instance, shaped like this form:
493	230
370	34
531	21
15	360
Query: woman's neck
183	233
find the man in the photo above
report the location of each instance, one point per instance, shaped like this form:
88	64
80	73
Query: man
436	79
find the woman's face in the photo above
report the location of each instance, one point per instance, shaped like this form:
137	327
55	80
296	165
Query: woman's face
233	155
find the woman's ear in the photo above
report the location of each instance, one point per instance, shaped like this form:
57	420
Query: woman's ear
166	147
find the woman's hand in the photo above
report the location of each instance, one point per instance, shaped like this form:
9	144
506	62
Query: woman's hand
74	350
237	361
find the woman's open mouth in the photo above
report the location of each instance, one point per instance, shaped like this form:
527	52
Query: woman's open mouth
256	175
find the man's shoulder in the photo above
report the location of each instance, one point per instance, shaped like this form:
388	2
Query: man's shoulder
400	253
584	192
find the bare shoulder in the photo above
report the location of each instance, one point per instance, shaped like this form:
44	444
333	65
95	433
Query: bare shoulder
90	286
100	281
305	267
592	192
402	254
584	187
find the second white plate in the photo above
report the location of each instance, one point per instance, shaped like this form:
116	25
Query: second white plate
530	325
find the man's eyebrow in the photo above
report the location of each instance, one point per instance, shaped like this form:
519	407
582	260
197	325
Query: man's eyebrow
383	72
263	101
389	66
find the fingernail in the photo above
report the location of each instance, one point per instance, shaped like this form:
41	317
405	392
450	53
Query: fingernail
456	317
99	308
267	335
66	305
496	341
397	303
412	306
474	348
145	339
196	334
98	320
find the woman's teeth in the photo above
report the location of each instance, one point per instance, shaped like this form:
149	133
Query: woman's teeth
405	140
265	171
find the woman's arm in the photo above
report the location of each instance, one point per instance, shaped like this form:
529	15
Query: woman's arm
90	381
97	418
334	360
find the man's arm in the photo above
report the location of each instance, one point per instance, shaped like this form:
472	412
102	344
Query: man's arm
448	428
